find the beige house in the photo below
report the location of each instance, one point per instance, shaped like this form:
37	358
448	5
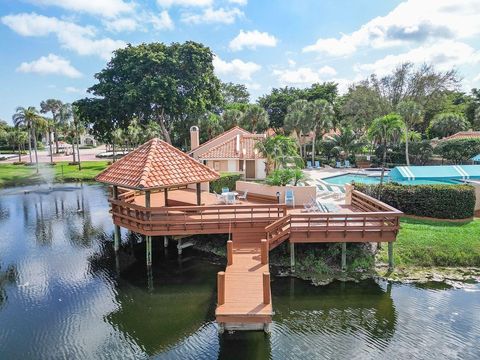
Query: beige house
232	151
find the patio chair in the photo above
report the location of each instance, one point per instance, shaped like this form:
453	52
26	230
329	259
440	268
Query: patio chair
339	165
230	198
309	165
317	164
244	196
347	164
289	198
219	198
310	206
225	190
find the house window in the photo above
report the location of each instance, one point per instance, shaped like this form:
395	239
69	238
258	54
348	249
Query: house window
216	165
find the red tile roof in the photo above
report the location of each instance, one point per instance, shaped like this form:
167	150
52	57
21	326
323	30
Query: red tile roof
228	149
464	135
219	136
156	164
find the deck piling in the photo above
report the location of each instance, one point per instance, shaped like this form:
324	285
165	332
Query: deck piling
229	252
390	256
221	288
344	256
148	240
292	257
266	288
264	251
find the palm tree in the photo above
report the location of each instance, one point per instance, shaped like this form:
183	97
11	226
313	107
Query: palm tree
17	138
296	120
279	151
320	114
29	118
133	133
230	118
54	107
411	113
255	119
345	142
384	130
50	125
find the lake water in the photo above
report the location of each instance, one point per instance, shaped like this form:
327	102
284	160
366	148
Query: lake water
65	295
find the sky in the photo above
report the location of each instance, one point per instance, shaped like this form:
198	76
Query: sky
53	48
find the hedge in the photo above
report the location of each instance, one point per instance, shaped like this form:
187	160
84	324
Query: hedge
435	201
228	181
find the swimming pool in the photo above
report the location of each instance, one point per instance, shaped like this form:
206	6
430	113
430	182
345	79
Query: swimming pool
349	178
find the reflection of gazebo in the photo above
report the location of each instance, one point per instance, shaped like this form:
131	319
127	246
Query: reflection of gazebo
160	167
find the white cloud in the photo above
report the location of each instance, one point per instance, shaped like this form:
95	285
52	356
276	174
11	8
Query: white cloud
304	75
412	21
185	3
292	63
211	16
50	65
238	2
74	90
237	68
252	39
444	54
162	22
121	24
105	8
81	39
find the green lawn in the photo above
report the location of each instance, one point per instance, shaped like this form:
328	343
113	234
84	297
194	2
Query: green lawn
12	175
436	243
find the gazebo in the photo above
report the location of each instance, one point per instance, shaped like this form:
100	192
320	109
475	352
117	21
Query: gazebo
155	166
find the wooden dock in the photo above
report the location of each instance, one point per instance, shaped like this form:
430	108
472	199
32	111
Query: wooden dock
244	296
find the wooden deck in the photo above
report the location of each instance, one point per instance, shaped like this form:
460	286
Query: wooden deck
243	306
244	299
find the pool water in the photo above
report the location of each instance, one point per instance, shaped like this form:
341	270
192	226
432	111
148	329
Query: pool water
349	178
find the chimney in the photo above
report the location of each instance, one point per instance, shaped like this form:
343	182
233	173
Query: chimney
194	137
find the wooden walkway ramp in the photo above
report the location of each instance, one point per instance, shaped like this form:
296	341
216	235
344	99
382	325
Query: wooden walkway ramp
244	297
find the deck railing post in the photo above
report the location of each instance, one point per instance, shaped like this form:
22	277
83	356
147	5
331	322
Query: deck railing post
264	251
221	288
229	252
266	288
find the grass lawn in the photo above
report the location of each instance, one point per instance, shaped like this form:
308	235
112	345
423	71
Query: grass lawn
436	243
14	175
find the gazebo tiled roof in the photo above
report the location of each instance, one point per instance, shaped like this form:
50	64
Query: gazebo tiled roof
154	165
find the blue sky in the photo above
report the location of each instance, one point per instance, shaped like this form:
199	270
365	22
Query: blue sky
52	48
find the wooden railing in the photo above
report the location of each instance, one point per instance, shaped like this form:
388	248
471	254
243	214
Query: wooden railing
377	222
180	220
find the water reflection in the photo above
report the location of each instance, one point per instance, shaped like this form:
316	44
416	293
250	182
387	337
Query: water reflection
64	293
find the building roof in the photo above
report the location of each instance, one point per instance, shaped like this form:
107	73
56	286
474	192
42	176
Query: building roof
232	130
464	135
230	150
156	164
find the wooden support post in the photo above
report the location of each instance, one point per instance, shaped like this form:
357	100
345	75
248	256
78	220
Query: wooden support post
229	252
221	288
390	256
116	232
149	250
147	198
292	257
179	246
166	196
264	251
165	241
344	256
266	288
199	194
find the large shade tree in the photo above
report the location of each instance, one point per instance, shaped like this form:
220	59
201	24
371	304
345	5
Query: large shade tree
447	124
158	82
383	131
296	121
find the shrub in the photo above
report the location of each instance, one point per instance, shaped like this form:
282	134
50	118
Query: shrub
458	150
227	180
435	201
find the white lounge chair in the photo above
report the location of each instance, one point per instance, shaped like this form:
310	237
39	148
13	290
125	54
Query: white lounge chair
289	198
347	164
244	196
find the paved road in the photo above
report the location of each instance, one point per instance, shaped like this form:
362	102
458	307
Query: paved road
43	157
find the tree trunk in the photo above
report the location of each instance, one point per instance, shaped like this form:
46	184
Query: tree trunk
113	150
406	148
50	145
165	133
55	136
313	147
384	160
35	149
78	149
19	154
30	145
73	151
